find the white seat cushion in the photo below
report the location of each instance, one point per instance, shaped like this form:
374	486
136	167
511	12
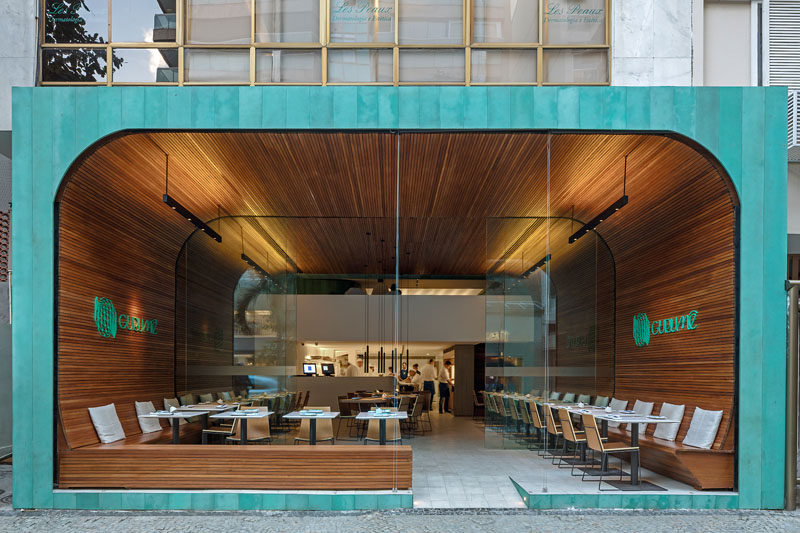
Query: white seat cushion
568	397
173	402
106	423
555	395
584	398
207	398
644	409
669	431
148	425
703	429
601	401
617	405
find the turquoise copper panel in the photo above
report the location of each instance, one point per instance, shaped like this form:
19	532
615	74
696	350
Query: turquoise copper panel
744	128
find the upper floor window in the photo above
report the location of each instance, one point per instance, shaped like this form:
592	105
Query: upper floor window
321	42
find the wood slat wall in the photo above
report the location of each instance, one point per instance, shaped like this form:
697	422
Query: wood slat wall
238	467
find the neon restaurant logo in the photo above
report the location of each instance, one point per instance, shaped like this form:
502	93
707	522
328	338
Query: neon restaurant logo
643	329
108	322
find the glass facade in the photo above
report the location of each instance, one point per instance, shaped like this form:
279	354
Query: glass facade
321	42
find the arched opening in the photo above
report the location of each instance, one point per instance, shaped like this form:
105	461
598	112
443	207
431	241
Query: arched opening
487	250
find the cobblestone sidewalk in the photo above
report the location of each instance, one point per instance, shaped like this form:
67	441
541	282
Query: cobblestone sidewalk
394	521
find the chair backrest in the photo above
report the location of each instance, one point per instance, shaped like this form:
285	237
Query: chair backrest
344	408
533	412
257	428
551	423
593	439
426	404
305	400
403	404
392	429
500	405
523	411
511	408
324	426
566	425
416	410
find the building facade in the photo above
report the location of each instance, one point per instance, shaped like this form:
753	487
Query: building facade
673	71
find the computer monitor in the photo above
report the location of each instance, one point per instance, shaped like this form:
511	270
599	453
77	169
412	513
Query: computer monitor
309	369
327	369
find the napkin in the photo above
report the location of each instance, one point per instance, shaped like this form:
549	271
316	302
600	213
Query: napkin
609	410
580	404
172	408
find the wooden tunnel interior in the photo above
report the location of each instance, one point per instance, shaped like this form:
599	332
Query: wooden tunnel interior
468	202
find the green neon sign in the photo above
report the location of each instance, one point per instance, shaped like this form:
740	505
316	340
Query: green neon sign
644	329
108	322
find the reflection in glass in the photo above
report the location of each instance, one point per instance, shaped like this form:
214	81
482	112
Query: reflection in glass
431	65
359	66
287	21
506	21
142	21
575	66
74	64
431	22
146	65
290	66
217	66
218	21
503	66
362	21
76	21
575	22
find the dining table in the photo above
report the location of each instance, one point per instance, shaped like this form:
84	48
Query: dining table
242	416
312	418
382	418
176	416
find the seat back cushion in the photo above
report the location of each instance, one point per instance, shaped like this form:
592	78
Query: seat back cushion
672	412
187	399
226	395
148	425
584	398
601	401
617	405
569	397
173	402
703	428
555	395
206	398
644	409
106	423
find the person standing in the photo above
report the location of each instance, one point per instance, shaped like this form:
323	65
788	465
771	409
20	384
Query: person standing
403	372
428	373
444	387
359	367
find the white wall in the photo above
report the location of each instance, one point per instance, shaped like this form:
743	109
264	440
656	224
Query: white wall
333	318
726	44
651	42
17	51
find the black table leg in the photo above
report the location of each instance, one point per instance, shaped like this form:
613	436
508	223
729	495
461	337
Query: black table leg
244	430
604	428
634	456
382	431
312	431
582	446
176	431
204	436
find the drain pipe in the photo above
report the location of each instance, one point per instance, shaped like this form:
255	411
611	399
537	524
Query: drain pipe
790	473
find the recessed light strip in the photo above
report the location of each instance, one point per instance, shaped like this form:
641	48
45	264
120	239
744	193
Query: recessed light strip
592	224
191	217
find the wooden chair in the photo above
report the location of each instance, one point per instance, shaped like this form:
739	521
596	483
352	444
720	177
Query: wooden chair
605	449
324	428
577	438
477	405
346	415
553	429
536	420
393	433
257	429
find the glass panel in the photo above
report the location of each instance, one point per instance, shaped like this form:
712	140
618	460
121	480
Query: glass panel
575	66
362	21
506	21
142	21
218	66
359	66
145	65
287	21
291	66
432	65
74	64
575	22
76	21
431	22
503	66
218	22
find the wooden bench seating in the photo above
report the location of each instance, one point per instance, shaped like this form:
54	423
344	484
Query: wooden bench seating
190	434
171	466
711	469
